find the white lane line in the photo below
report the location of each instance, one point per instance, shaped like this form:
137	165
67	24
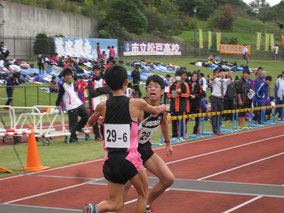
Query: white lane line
243	204
180	144
222	150
45	193
183	159
241	166
52	169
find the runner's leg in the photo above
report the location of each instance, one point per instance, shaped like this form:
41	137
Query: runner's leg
157	166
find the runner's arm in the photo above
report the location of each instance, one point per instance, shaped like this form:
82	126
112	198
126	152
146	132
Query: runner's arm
99	112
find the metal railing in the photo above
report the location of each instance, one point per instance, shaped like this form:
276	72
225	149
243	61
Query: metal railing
28	95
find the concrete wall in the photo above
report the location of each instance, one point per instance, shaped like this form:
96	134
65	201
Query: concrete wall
23	20
27	21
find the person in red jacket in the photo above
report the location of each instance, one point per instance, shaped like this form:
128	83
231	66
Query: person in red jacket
178	94
80	89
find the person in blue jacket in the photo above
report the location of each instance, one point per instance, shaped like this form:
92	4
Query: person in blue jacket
259	96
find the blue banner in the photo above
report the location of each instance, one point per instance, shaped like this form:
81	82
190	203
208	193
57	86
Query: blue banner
84	47
132	48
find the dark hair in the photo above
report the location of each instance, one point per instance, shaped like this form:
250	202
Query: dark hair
156	79
179	72
246	71
282	72
260	68
197	80
53	77
67	71
96	67
129	85
221	70
168	75
115	76
80	77
16	75
268	78
201	74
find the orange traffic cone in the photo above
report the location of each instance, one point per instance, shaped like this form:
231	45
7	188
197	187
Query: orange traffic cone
33	161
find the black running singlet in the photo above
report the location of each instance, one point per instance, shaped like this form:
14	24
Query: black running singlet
148	126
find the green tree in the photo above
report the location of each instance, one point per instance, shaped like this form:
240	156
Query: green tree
128	15
42	44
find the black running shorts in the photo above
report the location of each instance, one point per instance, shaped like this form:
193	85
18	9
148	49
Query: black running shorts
145	151
117	169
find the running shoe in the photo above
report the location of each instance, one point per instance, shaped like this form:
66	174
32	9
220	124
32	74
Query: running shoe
89	208
242	127
149	210
98	139
218	133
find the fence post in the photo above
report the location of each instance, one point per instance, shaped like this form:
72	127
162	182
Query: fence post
14	46
37	96
30	47
25	96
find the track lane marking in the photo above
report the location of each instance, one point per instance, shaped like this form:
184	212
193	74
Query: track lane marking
244	204
241	166
225	149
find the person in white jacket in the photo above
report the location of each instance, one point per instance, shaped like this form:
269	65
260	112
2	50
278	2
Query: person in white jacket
73	105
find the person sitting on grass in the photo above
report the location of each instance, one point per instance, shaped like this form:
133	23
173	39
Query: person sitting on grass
53	85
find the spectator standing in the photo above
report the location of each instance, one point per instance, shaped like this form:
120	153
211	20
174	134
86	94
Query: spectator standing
99	50
12	81
229	101
129	91
167	86
40	63
260	78
97	91
73	105
203	83
260	92
136	79
243	100
196	94
178	93
276	50
279	93
4	51
81	89
219	89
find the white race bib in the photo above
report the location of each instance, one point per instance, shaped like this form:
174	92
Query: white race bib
145	134
117	135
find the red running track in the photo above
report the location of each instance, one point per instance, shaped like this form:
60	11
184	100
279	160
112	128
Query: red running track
254	156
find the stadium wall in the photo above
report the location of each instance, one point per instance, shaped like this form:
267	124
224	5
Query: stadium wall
27	21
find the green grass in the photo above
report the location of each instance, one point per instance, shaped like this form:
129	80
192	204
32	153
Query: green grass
243	29
56	154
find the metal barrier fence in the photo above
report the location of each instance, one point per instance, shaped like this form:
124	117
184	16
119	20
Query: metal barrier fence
29	95
202	133
23	48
